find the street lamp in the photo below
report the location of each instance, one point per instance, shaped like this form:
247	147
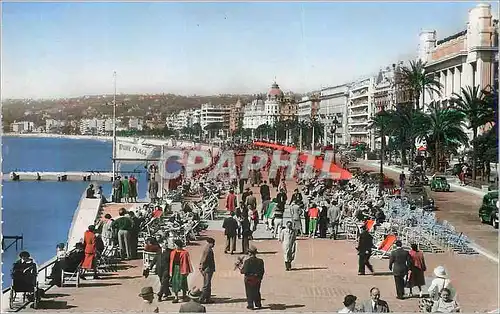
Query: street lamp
382	150
333	129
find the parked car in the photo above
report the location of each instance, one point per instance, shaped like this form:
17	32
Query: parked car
417	195
439	183
488	212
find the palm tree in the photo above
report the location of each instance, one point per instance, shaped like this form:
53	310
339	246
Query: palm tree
382	123
442	129
473	104
417	81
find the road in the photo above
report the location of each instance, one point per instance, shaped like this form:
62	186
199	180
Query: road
460	208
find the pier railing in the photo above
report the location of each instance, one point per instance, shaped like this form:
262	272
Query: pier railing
16	240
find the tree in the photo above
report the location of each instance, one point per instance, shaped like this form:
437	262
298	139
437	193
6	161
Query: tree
487	149
442	129
213	128
417	81
472	103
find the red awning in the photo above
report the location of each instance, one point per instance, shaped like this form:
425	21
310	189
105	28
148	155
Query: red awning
337	172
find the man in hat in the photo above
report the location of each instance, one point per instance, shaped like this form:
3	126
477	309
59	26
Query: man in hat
207	269
365	245
230	226
162	262
147	295
399	264
253	269
193	306
265	193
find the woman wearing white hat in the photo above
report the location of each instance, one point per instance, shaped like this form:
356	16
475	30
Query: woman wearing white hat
439	283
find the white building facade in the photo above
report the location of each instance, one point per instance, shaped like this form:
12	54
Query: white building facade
135	124
254	115
210	113
305	109
333	106
263	111
468	58
359	111
22	127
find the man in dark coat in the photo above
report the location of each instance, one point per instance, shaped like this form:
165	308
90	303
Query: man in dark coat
207	269
134	233
296	197
245	195
281	200
241	183
399	264
365	245
265	192
230	226
253	269
246	232
162	262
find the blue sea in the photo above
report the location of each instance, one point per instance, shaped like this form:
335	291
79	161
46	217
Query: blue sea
42	211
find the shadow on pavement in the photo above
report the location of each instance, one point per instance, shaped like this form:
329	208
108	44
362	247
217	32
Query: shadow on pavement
383	273
309	268
229	300
99	284
282	307
54	305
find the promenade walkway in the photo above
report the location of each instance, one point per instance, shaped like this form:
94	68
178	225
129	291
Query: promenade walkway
324	272
459	207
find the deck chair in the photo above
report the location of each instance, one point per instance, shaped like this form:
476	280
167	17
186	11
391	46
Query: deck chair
351	230
147	259
369	224
385	248
71	277
107	260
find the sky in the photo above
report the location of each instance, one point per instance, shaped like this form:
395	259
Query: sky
52	50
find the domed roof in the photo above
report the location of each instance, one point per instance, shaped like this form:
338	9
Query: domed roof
275	90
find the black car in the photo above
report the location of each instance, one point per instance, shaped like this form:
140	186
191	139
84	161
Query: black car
417	195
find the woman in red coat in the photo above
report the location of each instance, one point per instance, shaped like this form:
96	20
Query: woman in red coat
89	262
180	268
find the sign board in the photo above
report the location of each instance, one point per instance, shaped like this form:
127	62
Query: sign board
125	150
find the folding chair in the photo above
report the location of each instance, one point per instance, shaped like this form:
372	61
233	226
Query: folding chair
147	259
107	260
73	277
351	230
385	248
369	224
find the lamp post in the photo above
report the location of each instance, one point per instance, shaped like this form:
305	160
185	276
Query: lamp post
114	126
335	122
382	150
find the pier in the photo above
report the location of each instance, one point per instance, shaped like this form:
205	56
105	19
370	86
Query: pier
85	215
59	176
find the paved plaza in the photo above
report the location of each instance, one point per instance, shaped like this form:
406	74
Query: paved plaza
324	272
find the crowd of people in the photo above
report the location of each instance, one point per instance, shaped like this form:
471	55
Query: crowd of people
316	209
